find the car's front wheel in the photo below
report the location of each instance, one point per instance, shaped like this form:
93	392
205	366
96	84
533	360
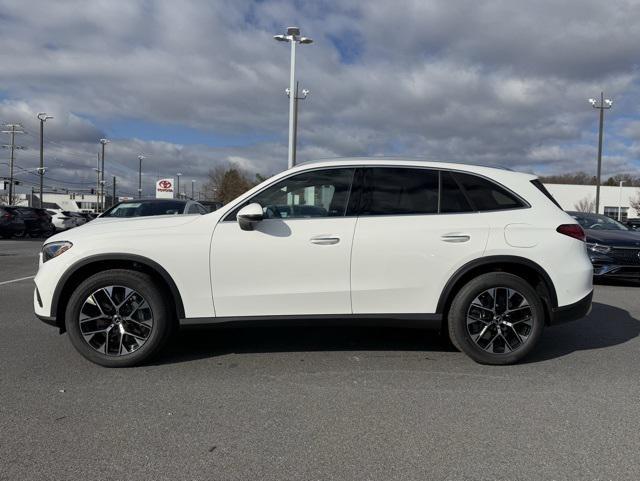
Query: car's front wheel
118	318
496	318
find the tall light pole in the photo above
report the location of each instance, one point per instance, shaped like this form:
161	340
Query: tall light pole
293	37
602	105
305	94
140	157
103	142
178	175
193	185
42	117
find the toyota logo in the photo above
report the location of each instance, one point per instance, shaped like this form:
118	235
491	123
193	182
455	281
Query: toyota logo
165	184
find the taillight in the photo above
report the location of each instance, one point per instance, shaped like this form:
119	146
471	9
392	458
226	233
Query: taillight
572	230
7	216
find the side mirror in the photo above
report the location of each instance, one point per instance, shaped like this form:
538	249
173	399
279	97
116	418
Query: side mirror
249	216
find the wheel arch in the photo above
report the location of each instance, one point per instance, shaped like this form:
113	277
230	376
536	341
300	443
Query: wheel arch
520	266
84	268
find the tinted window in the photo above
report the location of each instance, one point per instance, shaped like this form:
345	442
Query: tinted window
193	209
540	186
318	193
486	195
397	191
452	199
597	221
144	209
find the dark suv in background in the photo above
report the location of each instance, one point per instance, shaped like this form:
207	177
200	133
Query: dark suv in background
11	224
614	249
37	222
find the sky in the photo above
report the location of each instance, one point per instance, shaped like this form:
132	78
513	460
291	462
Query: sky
193	84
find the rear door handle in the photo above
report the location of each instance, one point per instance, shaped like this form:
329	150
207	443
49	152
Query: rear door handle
325	240
455	238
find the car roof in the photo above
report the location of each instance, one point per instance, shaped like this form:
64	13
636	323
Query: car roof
409	162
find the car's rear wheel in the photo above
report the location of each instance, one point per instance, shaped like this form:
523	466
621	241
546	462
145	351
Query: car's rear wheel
496	318
118	318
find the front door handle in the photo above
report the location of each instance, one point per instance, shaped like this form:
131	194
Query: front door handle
456	238
325	240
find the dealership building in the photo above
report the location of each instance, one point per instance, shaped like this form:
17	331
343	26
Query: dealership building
613	199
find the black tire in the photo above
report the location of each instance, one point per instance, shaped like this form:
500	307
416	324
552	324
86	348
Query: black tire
480	349
162	317
20	234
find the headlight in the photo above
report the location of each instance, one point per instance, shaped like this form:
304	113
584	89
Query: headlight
598	248
54	249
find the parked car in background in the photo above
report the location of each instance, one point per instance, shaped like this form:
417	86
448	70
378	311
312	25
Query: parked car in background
62	220
633	223
483	254
79	218
11	224
211	205
88	216
152	207
613	248
37	221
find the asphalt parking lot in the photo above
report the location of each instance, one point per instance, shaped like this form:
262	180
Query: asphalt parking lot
319	403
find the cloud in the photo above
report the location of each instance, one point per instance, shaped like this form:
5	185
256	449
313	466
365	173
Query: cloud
502	82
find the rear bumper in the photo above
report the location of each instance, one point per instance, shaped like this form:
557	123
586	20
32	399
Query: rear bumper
572	312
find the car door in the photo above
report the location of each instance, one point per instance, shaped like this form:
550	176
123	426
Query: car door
296	260
415	228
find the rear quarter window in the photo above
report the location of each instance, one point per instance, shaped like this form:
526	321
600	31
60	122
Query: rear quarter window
540	186
486	195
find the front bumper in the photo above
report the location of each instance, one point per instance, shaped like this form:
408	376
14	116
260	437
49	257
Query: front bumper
614	271
572	312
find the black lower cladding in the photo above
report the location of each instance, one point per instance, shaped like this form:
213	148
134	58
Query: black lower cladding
428	321
48	320
572	312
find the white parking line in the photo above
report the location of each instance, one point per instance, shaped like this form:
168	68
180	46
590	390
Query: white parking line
16	280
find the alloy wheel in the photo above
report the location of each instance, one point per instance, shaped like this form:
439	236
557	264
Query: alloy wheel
115	320
500	320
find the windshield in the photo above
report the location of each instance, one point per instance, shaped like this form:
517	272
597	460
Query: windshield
144	209
597	222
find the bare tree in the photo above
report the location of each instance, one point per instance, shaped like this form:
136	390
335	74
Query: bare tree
4	199
635	202
586	204
226	182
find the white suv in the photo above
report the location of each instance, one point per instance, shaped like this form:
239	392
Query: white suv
482	254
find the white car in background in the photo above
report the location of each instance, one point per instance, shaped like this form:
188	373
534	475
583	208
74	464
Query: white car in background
62	220
483	254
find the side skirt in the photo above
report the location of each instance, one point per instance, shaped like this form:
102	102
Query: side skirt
422	321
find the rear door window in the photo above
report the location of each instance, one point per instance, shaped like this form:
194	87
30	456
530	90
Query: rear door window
452	198
398	191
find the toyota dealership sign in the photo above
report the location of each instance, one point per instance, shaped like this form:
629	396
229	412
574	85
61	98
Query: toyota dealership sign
164	189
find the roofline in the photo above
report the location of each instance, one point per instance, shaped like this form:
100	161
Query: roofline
406	158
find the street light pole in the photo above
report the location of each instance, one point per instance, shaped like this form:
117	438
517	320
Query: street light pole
43	117
140	157
293	37
193	184
178	175
103	142
620	202
602	105
305	93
